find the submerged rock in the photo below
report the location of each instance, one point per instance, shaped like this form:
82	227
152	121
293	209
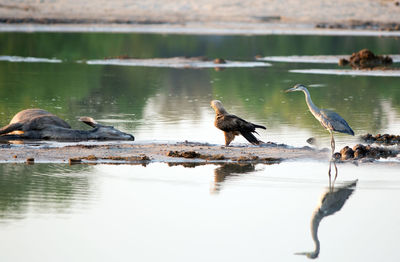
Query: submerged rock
365	59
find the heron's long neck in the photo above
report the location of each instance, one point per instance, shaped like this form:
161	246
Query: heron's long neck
313	109
317	217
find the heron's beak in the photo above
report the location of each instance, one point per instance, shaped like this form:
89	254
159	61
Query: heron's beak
301	253
290	90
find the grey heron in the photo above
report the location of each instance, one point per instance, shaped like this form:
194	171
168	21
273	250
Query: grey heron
332	121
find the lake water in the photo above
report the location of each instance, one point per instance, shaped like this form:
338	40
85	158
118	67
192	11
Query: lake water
55	212
173	104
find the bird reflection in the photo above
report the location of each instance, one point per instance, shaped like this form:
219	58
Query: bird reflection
330	174
332	200
226	170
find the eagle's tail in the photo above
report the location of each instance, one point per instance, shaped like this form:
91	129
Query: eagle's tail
259	126
250	137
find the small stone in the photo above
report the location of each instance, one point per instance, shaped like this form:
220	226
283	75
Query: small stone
219	61
73	161
337	156
343	62
311	141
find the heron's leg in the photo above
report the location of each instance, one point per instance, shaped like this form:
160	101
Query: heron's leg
329	173
332	143
336	173
332	184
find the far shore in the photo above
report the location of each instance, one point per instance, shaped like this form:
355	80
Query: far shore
222	17
195	29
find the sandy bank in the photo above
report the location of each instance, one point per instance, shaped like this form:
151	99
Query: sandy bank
201	16
169	153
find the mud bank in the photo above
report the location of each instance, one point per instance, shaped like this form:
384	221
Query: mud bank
145	153
203	16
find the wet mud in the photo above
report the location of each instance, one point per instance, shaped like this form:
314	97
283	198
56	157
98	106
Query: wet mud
166	153
361	25
360	151
52	21
365	59
243	158
181	153
125	159
385	139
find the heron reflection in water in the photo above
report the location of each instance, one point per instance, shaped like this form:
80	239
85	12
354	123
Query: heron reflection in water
332	200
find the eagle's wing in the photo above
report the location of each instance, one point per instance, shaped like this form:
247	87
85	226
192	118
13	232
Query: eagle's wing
232	123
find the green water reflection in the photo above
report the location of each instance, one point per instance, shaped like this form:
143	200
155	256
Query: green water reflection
73	46
121	94
41	188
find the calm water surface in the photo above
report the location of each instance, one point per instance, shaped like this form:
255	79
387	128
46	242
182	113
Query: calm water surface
55	212
51	212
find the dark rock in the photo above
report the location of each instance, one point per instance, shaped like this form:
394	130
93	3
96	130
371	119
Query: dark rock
343	62
360	151
346	153
365	59
337	156
219	61
311	141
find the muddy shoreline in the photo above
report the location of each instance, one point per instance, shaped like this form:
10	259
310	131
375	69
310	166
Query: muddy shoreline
181	152
254	17
146	153
347	25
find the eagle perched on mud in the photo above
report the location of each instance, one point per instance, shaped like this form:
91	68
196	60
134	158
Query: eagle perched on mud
233	125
